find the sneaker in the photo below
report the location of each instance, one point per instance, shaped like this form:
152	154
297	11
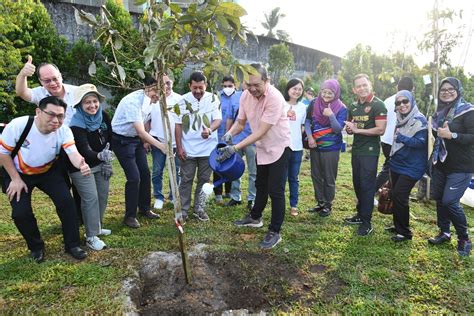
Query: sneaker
364	229
390	229
248	221
326	211
271	240
250	205
354	220
158	204
316	209
233	202
464	247
219	199
439	239
95	243
105	232
201	215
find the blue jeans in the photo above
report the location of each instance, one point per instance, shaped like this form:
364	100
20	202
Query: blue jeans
294	165
159	163
235	193
132	157
364	175
447	190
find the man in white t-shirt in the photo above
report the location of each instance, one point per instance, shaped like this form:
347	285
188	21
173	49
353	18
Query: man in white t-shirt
36	165
51	85
195	146
158	132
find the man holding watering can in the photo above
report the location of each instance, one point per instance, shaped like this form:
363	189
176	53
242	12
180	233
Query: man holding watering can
262	105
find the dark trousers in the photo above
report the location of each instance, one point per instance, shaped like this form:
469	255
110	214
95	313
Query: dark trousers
447	189
132	157
271	181
382	177
364	173
401	188
218	189
53	184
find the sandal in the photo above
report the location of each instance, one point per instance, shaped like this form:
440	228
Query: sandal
294	211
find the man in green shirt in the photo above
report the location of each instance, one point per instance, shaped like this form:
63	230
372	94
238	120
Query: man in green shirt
367	121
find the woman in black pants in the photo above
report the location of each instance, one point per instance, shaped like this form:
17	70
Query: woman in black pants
408	158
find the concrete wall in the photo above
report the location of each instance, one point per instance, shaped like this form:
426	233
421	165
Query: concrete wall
306	59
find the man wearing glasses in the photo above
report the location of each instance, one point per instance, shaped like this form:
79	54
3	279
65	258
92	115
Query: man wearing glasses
51	85
36	166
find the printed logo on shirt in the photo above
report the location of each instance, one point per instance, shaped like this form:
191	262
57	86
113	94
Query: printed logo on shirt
367	109
26	144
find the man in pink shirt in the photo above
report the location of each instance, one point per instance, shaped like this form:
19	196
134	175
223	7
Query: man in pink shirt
262	105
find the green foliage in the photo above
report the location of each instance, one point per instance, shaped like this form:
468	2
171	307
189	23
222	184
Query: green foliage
26	30
281	62
325	70
78	58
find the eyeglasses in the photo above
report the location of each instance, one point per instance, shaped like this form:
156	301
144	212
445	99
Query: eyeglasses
52	115
447	90
48	81
404	101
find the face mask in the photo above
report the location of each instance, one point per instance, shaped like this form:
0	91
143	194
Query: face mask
228	91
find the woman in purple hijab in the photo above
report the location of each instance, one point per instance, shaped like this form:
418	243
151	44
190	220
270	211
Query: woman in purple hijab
324	122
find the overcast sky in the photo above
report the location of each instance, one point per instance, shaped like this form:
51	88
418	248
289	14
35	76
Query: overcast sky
336	26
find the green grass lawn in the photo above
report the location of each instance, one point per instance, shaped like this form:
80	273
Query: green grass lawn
376	276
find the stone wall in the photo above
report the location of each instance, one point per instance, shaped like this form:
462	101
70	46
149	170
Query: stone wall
306	59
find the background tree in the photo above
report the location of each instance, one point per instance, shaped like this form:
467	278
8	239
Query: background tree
271	22
281	64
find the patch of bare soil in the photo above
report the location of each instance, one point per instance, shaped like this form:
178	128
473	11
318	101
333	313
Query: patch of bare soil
221	282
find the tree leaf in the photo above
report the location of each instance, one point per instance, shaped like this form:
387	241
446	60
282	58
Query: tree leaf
175	8
199	121
140	2
221	38
205	120
189	107
185	123
92	69
77	16
177	109
121	73
141	73
232	9
195	121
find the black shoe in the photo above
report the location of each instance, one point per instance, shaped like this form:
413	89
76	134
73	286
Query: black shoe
326	211
364	229
131	222
316	209
233	202
439	239
149	214
77	253
390	229
354	220
464	247
399	238
37	255
250	205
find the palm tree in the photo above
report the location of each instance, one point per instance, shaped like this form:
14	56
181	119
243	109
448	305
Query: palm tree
271	21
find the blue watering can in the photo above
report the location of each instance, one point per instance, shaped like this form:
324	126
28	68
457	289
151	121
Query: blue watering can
230	169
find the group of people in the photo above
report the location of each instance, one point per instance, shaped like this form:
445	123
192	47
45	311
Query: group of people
72	142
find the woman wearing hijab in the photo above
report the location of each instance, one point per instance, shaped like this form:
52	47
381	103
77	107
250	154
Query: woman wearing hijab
324	122
407	162
92	134
452	162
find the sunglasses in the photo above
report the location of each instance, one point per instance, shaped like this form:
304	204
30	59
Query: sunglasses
404	101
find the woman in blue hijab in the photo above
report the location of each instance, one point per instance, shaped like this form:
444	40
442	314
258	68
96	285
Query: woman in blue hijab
453	162
92	134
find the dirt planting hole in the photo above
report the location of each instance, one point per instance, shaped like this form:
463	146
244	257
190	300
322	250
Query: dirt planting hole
243	282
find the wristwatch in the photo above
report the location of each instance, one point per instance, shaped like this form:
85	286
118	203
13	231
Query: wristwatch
454	135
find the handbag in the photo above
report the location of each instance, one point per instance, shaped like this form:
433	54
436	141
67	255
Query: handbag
3	173
304	138
385	199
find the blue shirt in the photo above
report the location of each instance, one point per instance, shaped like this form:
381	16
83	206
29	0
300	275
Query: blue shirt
227	103
232	115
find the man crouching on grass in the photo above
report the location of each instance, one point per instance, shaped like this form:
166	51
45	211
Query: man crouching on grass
36	165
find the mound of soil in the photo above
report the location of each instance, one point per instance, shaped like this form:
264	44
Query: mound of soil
221	282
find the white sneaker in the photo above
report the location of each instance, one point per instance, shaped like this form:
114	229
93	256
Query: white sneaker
95	243
158	204
105	232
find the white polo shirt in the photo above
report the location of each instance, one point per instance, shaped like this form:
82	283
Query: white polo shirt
157	129
39	93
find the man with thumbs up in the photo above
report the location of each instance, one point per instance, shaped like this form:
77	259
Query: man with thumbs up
36	166
51	85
